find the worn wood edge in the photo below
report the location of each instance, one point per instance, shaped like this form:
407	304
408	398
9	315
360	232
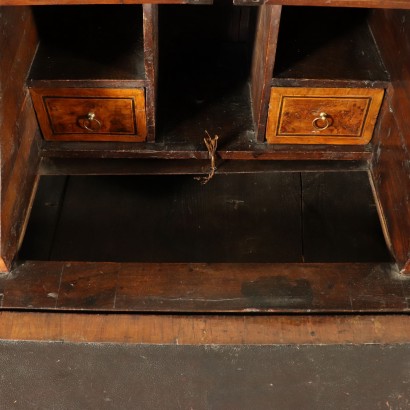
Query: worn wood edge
406	268
392	4
100	83
85	2
15	204
262	151
150	30
28	210
389	28
266	44
115	288
4	268
380	212
328	83
119	166
204	329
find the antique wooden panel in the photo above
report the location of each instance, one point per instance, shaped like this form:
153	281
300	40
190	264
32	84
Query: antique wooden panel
262	65
193	287
390	165
17	194
205	329
18	126
322	115
86	114
150	19
17	51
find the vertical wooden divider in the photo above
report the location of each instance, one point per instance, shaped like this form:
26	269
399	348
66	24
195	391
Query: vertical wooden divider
262	65
390	168
19	137
150	22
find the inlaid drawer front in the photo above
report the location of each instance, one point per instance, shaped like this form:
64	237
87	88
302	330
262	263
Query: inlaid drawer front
87	114
322	115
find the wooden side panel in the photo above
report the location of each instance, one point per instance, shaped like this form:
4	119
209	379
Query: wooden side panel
18	41
150	19
391	164
18	126
16	195
391	178
262	64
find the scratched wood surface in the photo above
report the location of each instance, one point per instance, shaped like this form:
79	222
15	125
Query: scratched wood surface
20	140
213	288
390	165
201	329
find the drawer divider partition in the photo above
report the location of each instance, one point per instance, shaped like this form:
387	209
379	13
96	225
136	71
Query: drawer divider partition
150	27
262	65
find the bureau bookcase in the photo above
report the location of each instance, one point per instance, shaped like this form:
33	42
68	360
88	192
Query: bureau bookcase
276	88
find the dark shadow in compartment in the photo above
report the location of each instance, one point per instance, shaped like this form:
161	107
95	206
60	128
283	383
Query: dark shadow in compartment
89	43
238	218
204	70
327	43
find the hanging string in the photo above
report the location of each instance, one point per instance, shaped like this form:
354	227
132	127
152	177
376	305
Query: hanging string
211	145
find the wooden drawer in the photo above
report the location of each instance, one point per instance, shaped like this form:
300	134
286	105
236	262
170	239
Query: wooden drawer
90	114
322	115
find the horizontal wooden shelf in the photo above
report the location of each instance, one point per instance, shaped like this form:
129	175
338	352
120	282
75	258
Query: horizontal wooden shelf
130	166
235	150
195	288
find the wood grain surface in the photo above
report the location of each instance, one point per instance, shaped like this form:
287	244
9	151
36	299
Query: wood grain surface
119	114
350	113
206	288
390	165
202	330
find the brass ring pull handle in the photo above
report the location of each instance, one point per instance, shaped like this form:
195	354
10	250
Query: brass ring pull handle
90	123
322	122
